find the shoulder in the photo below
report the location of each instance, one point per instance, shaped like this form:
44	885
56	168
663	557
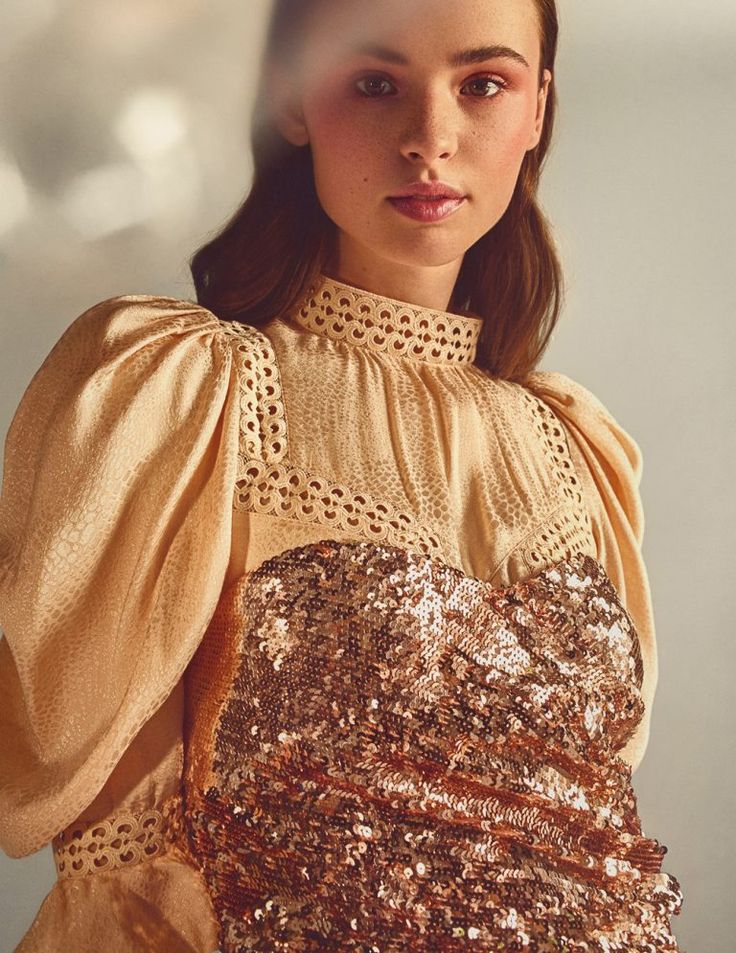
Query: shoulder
124	318
588	421
123	330
606	456
564	391
181	358
138	368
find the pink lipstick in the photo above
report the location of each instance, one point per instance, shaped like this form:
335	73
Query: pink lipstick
427	210
427	201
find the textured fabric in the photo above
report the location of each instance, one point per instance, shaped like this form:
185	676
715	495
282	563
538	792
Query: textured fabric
386	754
160	454
157	906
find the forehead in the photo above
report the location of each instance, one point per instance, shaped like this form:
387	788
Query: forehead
427	32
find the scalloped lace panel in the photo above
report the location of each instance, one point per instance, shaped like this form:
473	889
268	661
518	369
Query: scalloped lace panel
272	483
567	529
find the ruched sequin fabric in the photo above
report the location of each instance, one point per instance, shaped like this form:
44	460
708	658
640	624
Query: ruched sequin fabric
385	754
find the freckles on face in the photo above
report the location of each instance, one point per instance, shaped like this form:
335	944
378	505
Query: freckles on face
360	156
469	126
497	145
342	137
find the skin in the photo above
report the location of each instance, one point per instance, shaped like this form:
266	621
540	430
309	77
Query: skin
423	121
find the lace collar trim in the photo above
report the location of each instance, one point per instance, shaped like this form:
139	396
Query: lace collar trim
343	312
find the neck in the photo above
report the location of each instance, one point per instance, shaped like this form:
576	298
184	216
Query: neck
427	286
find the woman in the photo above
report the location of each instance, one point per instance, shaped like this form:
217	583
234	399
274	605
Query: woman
326	620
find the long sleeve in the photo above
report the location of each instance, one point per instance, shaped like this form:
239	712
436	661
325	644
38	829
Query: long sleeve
115	535
609	464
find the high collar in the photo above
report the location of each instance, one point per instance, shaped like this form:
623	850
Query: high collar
366	319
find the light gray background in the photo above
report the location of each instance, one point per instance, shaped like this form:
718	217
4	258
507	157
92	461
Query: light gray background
124	143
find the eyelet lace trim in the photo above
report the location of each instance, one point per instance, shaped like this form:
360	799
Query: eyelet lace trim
262	412
294	493
344	313
122	840
267	483
568	529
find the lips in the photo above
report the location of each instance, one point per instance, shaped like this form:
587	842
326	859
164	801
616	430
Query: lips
426	209
444	197
429	191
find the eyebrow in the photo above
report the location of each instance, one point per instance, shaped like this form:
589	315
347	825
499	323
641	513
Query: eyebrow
463	58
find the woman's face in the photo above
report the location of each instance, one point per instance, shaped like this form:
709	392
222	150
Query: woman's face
376	124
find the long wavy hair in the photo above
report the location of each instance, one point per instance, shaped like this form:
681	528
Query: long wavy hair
264	260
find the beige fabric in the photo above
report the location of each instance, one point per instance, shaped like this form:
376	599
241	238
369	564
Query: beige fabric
161	905
610	465
159	453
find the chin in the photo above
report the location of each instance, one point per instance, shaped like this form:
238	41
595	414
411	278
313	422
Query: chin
425	249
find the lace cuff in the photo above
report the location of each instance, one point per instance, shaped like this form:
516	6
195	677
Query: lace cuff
121	840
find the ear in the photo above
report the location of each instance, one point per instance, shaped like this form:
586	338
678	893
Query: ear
287	111
541	108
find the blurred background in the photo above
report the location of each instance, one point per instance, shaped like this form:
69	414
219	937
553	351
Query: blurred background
124	145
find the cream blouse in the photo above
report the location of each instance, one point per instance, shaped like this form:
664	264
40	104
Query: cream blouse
158	454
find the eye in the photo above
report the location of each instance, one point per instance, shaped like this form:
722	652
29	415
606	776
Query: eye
479	82
483	81
370	79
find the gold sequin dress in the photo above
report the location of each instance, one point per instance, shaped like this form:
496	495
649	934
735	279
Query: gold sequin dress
318	637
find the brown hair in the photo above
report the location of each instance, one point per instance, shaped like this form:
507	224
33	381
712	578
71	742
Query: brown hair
275	245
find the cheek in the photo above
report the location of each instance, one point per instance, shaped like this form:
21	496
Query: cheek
495	154
504	139
343	148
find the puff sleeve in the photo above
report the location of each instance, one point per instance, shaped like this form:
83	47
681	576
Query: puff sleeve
609	464
115	536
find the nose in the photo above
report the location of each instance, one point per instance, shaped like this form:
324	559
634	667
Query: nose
430	129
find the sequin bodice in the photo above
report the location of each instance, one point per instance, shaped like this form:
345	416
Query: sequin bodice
385	754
